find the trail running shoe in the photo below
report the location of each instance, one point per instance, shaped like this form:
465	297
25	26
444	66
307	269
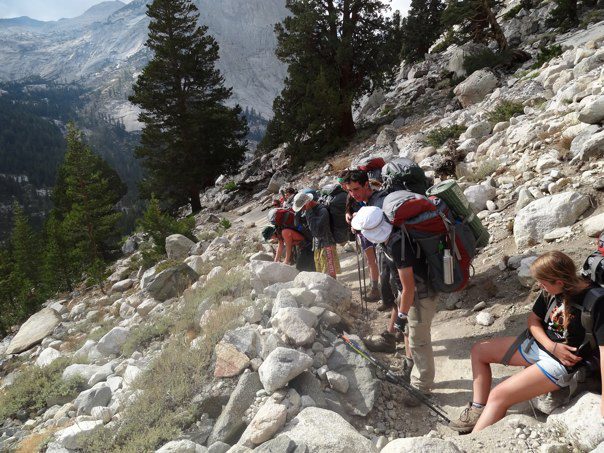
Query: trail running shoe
467	420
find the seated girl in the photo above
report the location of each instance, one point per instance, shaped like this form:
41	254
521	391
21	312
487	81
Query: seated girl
551	353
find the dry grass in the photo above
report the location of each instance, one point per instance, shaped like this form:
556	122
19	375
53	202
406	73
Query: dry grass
36	441
339	163
164	409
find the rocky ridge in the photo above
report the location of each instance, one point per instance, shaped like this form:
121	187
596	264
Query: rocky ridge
280	381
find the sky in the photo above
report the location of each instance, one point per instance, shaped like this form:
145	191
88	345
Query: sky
57	9
46	9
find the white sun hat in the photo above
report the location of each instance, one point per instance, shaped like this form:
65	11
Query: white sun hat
300	200
372	224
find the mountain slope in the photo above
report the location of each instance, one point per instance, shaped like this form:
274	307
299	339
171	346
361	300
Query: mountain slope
104	49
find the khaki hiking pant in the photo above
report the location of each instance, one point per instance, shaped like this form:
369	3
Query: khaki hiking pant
420	339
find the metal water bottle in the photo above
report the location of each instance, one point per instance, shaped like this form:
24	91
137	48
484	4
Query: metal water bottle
448	267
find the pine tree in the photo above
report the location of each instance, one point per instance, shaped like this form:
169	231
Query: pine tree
58	271
8	292
564	15
476	21
86	195
189	137
25	260
336	51
421	28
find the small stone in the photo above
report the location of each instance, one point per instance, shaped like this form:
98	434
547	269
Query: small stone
484	318
480	306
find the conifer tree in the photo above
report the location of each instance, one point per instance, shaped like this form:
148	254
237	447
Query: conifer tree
189	137
8	292
421	28
476	19
25	264
58	272
86	195
336	51
565	14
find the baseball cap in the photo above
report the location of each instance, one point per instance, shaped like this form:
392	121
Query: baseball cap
371	222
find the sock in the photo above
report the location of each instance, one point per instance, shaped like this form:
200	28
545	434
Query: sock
374	284
477	405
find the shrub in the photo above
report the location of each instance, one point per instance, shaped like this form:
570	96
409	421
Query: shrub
159	226
504	111
438	136
512	12
143	334
225	223
486	59
36	388
230	186
546	54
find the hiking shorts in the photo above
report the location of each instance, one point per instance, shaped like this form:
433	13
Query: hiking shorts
550	367
365	244
327	261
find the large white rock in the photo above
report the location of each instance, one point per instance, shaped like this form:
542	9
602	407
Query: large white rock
325	431
72	437
171	282
178	246
270	272
196	263
547	161
479	194
477	130
296	324
181	446
524	271
47	356
269	419
112	341
588	146
592	109
335	293
545	214
475	88
421	444
122	286
281	366
34	330
98	396
581	421
594	225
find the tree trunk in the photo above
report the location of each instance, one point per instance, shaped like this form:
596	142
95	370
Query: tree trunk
194	200
502	42
347	128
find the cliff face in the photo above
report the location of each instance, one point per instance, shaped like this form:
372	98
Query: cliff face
104	49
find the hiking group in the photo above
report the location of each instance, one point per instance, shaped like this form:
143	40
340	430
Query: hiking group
418	240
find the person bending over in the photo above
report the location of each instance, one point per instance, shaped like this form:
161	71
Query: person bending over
552	353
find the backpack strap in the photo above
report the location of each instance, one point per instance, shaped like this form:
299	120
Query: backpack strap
597	260
593	296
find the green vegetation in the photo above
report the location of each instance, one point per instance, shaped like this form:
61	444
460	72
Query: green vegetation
142	335
37	388
504	111
187	132
164	408
546	54
512	12
224	223
475	20
486	59
564	15
330	64
420	28
438	136
230	186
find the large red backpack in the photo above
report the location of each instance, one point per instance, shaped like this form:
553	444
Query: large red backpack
432	229
282	218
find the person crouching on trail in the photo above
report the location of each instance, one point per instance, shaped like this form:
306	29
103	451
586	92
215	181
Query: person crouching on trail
316	217
550	353
286	239
417	304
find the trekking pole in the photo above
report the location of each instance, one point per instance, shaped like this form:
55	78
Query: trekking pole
364	299
390	376
356	241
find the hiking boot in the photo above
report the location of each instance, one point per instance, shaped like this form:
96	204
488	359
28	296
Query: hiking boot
406	368
373	295
384	342
383	307
467	420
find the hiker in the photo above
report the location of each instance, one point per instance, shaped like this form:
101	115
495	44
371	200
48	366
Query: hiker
316	218
297	247
361	194
287	197
417	304
550	354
